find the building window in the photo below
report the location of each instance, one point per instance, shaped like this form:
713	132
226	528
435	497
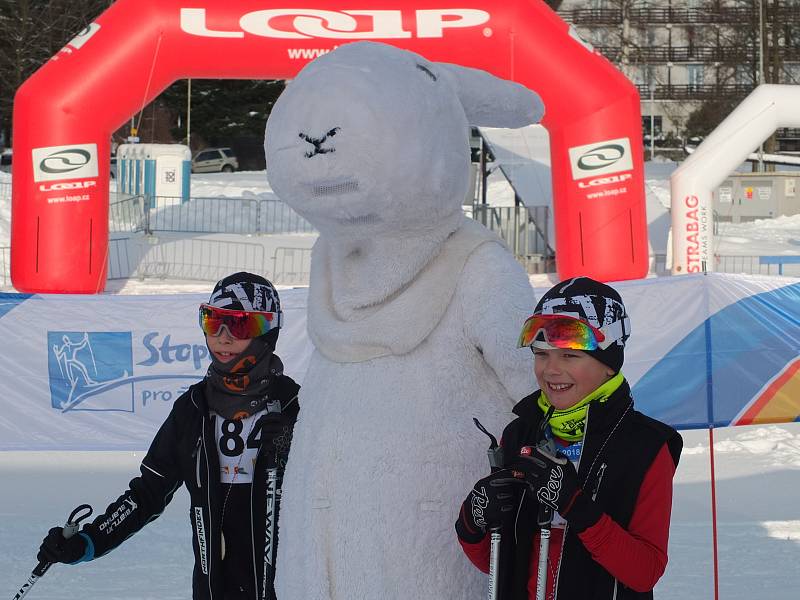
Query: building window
695	76
792	73
646	125
743	75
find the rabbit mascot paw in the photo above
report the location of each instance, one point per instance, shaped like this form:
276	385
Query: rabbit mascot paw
414	311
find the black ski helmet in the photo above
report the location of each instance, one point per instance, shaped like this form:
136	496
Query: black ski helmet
594	302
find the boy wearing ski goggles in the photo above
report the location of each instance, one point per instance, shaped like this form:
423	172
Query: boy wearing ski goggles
227	437
597	474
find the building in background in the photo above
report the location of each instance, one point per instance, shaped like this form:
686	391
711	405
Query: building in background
694	60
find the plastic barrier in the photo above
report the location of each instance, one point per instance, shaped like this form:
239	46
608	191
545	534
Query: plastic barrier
63	118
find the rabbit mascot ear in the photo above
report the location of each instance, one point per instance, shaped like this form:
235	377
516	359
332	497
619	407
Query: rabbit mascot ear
492	102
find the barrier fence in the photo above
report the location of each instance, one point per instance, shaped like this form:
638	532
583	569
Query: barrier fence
524	229
205	260
5	265
152	214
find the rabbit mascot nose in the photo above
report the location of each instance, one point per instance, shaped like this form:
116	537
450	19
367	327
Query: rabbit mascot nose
414	311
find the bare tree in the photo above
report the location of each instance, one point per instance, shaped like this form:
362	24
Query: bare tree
31	31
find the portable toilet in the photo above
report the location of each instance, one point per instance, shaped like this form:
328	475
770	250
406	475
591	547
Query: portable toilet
167	172
126	156
130	169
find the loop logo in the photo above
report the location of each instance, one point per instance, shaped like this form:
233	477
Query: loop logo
78	161
307	23
601	158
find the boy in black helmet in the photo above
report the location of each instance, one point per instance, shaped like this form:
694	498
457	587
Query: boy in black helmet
578	460
227	439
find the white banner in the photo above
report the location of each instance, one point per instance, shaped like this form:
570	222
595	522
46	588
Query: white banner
101	372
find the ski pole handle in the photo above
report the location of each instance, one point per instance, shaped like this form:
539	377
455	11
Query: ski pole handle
71	527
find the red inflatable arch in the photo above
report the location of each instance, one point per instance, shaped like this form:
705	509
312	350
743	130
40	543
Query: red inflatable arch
65	113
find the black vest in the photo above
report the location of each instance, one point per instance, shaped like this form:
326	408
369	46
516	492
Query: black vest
619	447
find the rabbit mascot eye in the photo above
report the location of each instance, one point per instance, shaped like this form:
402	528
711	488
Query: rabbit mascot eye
414	311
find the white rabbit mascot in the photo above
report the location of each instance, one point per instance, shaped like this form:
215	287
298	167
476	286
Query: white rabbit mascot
414	311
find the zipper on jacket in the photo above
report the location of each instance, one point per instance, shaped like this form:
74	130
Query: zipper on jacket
196	456
600	472
210	512
252	528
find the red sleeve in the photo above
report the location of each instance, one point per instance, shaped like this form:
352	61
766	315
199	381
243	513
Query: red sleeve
478	554
638	556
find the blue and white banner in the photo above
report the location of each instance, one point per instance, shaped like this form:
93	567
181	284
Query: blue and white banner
101	372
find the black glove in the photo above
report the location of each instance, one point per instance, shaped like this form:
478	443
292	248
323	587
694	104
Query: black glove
492	502
56	548
272	425
554	481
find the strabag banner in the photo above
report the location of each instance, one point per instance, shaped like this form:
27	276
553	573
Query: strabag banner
102	372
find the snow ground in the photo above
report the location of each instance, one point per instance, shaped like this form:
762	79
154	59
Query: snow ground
757	474
757	470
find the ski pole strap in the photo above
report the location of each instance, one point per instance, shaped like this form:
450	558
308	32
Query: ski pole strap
71	527
495	451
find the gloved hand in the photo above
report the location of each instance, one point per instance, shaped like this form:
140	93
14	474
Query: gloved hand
272	426
490	503
56	548
554	481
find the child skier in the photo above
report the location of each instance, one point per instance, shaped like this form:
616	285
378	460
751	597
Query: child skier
227	439
578	460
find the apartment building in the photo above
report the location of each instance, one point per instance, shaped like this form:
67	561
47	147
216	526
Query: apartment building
684	53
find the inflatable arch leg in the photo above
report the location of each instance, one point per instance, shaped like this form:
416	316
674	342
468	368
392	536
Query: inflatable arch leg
767	108
65	113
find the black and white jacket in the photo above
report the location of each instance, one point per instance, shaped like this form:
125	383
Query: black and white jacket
184	452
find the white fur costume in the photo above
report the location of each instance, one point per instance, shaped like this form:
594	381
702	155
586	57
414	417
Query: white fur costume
414	311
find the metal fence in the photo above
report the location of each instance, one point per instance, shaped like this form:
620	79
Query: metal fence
291	266
204	260
5	266
204	215
758	265
193	259
524	229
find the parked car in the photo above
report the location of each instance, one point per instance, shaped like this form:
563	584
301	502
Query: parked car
5	161
214	160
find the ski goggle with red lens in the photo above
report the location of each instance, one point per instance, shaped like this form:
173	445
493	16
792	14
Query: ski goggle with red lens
562	331
240	324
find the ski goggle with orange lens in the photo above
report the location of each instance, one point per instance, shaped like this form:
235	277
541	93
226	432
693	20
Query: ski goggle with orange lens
240	324
562	331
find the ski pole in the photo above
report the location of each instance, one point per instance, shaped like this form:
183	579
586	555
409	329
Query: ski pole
545	519
82	512
495	453
494	564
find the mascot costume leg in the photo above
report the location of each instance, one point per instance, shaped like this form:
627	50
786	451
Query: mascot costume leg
414	311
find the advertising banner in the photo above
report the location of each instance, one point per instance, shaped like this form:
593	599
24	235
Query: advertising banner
102	372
